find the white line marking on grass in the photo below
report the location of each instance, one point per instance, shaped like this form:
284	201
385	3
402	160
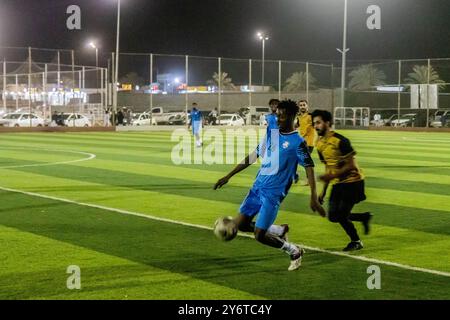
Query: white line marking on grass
90	156
426	140
142	215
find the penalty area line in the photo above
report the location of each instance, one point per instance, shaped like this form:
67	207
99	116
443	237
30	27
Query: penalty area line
142	215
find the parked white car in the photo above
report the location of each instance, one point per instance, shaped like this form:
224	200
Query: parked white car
21	120
76	120
406	120
438	117
142	119
230	120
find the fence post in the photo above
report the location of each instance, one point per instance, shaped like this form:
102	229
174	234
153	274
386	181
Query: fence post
17	91
250	83
307	82
102	91
279	80
399	98
45	96
332	89
219	96
187	81
29	97
428	91
4	85
59	69
151	89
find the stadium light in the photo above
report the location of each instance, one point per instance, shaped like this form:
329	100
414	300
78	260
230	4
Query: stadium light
94	46
263	37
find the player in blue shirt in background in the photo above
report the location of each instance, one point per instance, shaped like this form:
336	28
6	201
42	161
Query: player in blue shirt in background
196	122
281	151
271	118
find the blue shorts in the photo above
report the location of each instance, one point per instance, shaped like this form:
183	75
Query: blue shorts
196	127
264	203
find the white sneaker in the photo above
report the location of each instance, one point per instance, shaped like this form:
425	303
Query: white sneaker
296	260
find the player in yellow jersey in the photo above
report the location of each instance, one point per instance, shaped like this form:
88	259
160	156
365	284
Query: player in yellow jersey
342	172
305	125
305	128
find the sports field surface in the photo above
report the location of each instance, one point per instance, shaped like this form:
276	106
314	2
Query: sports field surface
139	227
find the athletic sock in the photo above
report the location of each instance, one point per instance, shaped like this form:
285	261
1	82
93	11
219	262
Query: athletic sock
350	229
276	230
289	248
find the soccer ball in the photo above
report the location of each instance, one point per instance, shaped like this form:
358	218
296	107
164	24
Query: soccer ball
225	229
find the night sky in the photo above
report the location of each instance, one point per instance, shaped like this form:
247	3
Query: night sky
299	29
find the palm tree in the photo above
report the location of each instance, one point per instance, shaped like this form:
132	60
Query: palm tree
297	82
366	77
225	82
420	76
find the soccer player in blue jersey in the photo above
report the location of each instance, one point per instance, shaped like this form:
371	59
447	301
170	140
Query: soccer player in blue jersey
271	118
281	151
196	124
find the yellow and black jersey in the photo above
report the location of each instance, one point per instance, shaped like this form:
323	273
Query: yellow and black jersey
333	150
306	129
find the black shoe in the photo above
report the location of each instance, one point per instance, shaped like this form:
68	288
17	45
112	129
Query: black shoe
296	178
353	246
366	223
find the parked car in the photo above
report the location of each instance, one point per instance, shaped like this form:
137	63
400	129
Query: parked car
405	120
230	119
21	120
177	119
142	119
76	120
160	117
441	118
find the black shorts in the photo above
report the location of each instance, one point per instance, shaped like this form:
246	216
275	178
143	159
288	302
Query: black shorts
351	193
310	149
343	197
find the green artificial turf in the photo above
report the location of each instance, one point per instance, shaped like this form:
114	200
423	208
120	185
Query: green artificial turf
131	257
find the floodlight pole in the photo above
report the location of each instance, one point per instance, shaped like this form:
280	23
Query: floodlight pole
116	71
344	51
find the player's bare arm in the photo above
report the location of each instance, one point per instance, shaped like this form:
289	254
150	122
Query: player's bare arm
323	193
247	162
314	202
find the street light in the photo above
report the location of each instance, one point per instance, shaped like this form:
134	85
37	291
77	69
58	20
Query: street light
263	37
93	46
344	51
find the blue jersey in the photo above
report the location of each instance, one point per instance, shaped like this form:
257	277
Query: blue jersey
281	154
272	121
196	116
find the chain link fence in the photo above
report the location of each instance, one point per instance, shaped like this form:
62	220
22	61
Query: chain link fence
164	87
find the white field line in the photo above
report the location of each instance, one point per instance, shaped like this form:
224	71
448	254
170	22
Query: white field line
90	156
131	213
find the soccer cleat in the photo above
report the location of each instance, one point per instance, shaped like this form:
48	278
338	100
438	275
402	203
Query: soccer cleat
366	223
296	178
284	234
353	246
296	260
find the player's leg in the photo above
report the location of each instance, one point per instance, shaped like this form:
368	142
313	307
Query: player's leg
244	222
359	195
266	217
249	209
339	212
